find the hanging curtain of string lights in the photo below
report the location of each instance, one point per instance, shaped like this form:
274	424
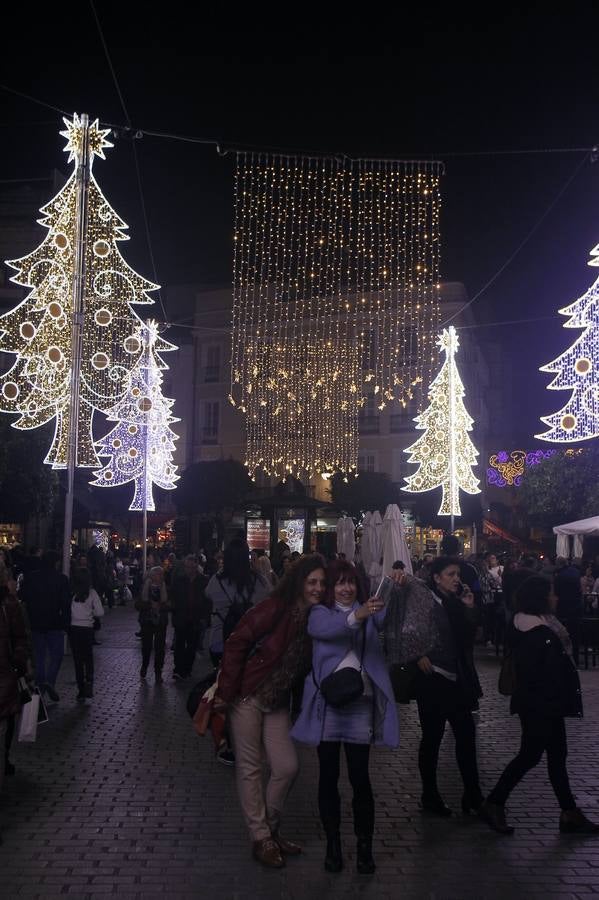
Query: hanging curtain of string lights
336	303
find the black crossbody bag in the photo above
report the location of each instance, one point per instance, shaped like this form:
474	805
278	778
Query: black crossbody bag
345	685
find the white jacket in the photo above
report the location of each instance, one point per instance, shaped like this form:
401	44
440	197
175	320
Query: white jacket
82	614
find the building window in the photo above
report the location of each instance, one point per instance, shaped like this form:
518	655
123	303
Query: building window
210	420
212	358
367	462
368	418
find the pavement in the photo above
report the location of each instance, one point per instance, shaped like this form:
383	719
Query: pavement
119	797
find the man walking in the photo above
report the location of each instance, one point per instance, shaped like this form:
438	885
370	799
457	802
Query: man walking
190	610
45	593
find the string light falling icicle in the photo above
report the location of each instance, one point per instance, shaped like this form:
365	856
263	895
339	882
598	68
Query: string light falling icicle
336	268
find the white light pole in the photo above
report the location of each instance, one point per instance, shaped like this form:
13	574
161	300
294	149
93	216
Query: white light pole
78	290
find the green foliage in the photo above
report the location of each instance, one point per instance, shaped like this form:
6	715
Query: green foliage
208	488
369	491
562	489
27	486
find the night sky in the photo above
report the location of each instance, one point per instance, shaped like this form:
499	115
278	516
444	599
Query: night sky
516	82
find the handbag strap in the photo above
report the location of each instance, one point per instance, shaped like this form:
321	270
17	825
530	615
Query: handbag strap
363	628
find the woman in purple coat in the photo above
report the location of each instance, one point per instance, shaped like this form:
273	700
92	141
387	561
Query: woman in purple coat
345	633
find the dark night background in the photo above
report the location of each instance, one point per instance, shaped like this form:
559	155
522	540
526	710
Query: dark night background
520	81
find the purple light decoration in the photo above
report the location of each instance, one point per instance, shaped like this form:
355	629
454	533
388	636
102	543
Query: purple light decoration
537	456
495	478
533	458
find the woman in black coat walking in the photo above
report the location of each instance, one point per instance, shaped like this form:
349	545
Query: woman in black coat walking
547	689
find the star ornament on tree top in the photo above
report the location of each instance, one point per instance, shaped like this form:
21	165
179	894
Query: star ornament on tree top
448	341
74	136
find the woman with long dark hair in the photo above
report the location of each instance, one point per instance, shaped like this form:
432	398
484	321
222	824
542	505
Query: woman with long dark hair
267	654
86	606
345	632
547	689
232	592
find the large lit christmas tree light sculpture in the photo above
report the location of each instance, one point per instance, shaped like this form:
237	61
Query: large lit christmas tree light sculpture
39	330
577	370
445	452
140	447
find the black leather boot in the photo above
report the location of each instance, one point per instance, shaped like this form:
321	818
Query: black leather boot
494	815
434	803
333	861
364	859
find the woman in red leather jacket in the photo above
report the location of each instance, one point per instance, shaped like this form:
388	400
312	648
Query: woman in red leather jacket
266	655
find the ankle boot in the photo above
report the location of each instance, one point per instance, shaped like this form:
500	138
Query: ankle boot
494	815
471	800
574	821
333	861
364	859
434	803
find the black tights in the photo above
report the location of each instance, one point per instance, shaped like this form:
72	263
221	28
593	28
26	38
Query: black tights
329	802
539	735
439	702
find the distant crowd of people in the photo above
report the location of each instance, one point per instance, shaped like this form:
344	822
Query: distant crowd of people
303	651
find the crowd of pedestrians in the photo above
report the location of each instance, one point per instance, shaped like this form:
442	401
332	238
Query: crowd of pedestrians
302	654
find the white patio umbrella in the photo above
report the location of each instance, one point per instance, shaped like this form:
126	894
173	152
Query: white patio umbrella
346	537
394	540
375	568
366	541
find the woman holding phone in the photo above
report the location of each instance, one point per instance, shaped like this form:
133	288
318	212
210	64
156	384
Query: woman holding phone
344	629
433	633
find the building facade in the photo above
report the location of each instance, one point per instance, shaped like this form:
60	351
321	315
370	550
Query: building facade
216	430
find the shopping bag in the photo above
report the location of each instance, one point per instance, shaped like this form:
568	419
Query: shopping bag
203	713
42	715
28	721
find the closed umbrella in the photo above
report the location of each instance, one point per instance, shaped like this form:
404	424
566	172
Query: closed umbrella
366	542
405	552
346	540
375	568
394	540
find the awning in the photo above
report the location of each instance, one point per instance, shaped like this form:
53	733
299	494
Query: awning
490	528
578	530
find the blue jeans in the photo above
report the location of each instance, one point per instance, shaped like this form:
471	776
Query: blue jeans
48	647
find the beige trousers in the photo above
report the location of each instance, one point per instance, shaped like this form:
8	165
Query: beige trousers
257	734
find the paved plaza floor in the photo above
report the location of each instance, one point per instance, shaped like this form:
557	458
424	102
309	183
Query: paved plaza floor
119	796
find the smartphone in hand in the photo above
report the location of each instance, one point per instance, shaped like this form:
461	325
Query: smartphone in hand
383	592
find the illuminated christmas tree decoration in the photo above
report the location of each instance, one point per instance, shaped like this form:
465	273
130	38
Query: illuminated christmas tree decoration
335	285
576	371
38	331
140	447
445	452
